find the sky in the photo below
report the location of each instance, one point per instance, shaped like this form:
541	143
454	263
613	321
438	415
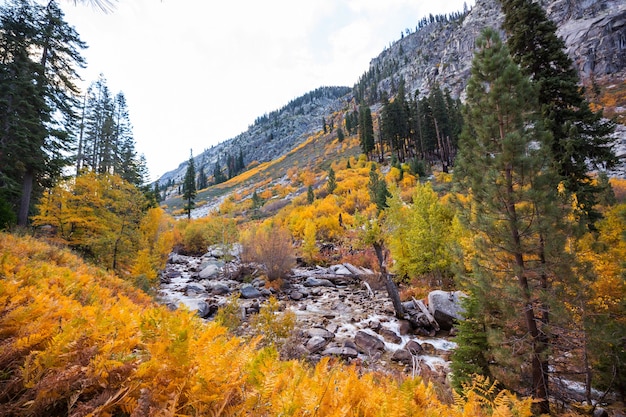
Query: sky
198	72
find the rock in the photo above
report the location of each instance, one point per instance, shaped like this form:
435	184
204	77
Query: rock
340	270
210	271
206	310
175	258
248	292
600	412
315	282
405	327
446	307
193	289
414	347
368	343
402	356
342	352
258	282
319	332
173	274
390	336
428	348
296	295
316	343
219	289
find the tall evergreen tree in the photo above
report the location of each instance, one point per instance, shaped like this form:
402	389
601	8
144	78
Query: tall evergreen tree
331	185
580	136
189	186
504	163
366	130
39	55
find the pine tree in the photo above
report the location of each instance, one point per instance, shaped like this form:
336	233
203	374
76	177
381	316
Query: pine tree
331	184
378	189
504	163
366	130
189	186
310	195
340	135
580	136
40	54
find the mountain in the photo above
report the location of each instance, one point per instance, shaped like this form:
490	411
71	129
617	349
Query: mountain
438	52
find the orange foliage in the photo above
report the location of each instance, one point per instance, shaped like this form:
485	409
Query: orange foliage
99	347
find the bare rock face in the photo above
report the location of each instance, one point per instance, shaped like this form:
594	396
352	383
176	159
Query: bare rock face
594	32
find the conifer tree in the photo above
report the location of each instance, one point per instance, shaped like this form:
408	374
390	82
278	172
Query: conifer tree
189	186
331	185
366	130
39	55
310	195
504	164
580	136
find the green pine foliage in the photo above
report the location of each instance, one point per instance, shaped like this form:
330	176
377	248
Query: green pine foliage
580	136
331	184
504	164
470	358
189	186
40	56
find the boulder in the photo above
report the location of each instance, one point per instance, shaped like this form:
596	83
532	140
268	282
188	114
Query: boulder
414	347
316	343
319	332
368	343
390	336
340	270
193	289
248	292
296	295
209	271
219	289
206	310
342	352
175	258
316	282
402	356
445	307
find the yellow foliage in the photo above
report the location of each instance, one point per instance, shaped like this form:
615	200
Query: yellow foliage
100	347
199	234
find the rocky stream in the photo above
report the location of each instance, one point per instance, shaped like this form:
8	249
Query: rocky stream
341	311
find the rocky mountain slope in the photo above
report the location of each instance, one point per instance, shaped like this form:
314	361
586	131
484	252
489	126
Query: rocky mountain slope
438	52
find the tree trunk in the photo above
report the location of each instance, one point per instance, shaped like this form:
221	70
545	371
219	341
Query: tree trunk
392	290
27	191
539	343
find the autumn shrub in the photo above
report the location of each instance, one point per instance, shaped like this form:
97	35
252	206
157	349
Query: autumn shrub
272	324
269	245
229	314
199	234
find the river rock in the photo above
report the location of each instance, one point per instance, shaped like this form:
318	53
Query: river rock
317	282
402	356
296	295
340	270
206	310
342	352
248	292
319	332
368	343
445	306
219	289
209	271
414	347
390	336
316	343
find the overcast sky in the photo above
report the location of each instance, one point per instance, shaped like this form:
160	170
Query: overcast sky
198	72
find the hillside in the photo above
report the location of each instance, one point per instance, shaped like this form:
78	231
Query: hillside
438	52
